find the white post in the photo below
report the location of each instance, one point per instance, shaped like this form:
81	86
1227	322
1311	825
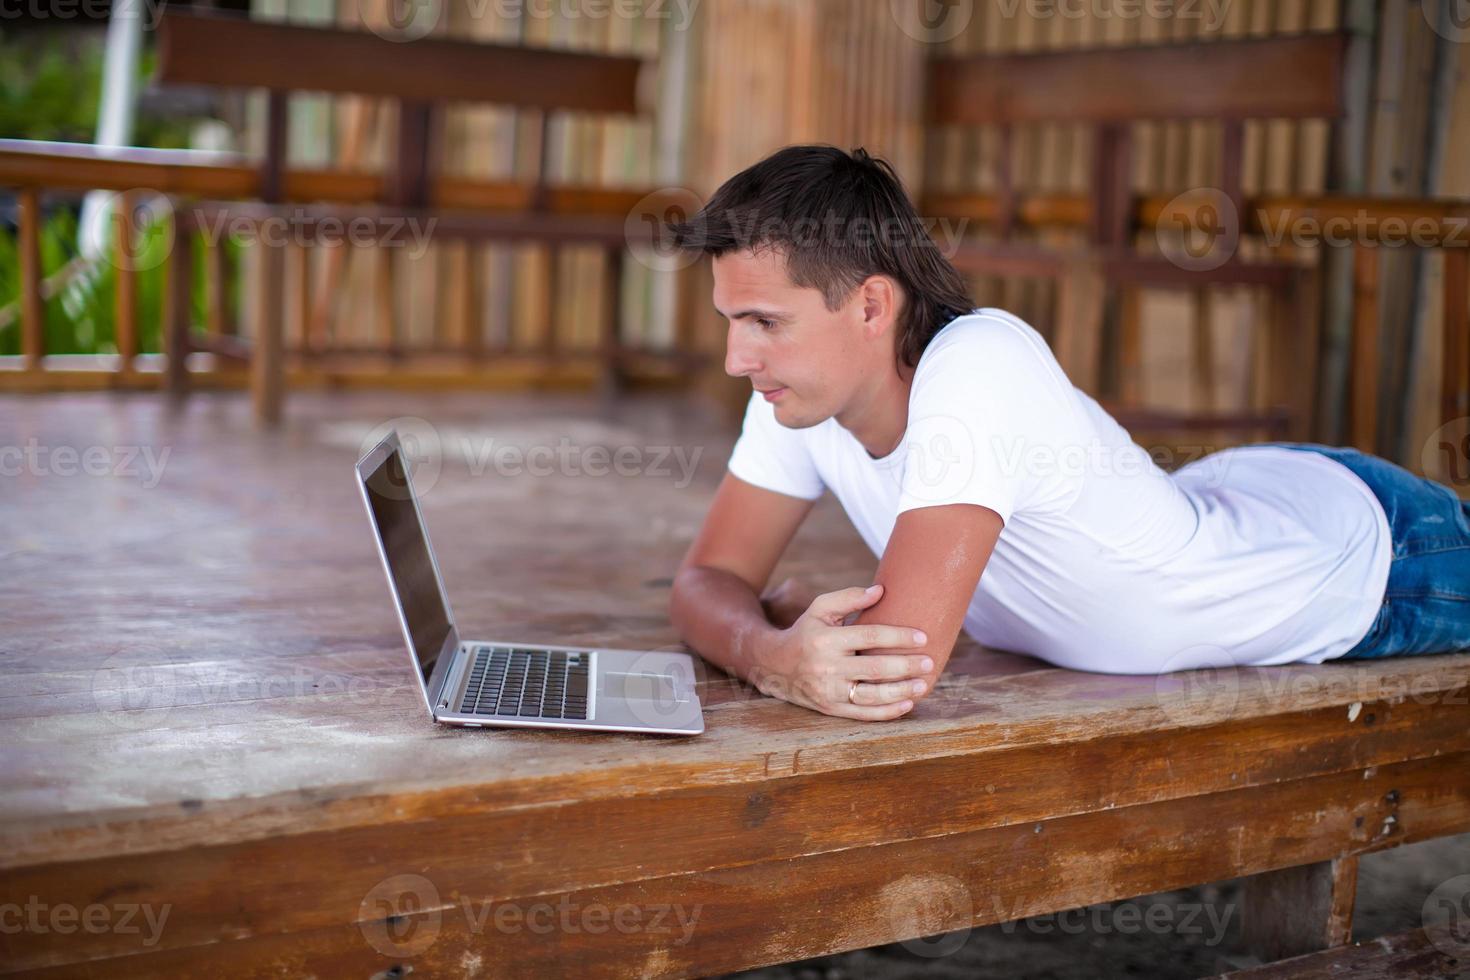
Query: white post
115	113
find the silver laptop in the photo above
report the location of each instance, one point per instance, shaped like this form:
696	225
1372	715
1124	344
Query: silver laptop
494	682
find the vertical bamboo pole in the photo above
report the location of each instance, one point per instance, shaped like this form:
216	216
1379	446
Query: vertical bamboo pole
126	291
1363	412
32	309
178	309
266	368
1455	376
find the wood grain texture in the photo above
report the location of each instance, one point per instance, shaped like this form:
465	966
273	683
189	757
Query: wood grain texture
125	294
213	50
1286	77
32	308
209	709
1434	954
1293	911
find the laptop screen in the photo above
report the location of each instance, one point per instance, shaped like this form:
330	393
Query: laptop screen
410	565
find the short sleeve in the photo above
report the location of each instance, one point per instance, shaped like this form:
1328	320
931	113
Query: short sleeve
770	456
992	418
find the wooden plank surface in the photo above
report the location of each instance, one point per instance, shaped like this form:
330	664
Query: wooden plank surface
1288	77
1434	954
231	51
209	708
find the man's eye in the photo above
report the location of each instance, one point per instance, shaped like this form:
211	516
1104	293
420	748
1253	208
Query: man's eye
765	324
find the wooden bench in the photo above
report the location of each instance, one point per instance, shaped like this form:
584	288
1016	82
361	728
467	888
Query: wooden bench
216	717
1109	89
1435	954
420	78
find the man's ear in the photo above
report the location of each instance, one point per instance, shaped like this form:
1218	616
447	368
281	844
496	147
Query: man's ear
880	297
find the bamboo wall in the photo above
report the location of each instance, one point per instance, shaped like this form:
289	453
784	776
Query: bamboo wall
1399	118
1280	157
354	294
767	73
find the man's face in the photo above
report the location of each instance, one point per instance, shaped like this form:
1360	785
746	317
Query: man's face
806	359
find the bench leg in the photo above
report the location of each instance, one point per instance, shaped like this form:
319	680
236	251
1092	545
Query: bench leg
266	368
1300	910
178	310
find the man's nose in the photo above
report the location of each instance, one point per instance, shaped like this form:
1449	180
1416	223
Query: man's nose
740	362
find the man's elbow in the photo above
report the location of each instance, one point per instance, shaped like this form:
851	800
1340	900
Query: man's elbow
684	592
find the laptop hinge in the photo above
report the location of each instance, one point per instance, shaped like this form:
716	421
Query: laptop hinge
443	667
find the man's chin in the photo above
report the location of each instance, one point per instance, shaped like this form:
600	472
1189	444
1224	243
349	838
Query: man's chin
794	418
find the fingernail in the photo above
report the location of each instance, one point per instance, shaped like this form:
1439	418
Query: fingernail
906	705
926	664
919	637
874	588
918	687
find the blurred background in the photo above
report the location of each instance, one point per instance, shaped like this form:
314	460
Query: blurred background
1234	220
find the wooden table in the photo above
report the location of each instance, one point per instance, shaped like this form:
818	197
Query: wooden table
209	721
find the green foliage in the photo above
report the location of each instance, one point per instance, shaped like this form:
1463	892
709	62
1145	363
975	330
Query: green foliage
51	83
82	318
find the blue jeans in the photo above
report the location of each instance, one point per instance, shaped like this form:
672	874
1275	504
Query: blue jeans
1426	607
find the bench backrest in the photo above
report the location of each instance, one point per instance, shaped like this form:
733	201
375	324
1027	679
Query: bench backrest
1277	78
1232	81
229	51
422	75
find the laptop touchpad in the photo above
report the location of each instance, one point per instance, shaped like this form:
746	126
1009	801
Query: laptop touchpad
642	686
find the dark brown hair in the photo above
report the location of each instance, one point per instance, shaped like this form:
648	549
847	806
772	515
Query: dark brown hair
837	218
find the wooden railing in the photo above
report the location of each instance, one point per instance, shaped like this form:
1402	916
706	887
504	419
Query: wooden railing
509	212
203	187
1365	225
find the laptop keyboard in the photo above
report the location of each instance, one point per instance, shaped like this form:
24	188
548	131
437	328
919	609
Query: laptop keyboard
514	683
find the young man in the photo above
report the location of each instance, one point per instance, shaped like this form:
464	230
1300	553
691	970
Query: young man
957	447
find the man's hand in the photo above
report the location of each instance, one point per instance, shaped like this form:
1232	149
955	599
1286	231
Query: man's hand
817	659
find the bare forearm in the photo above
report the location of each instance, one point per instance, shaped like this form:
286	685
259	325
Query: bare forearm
720	616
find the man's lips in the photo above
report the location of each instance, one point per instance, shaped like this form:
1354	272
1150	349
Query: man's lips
771	394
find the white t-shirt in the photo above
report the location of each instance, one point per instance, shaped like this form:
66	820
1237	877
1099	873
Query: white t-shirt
1249	556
